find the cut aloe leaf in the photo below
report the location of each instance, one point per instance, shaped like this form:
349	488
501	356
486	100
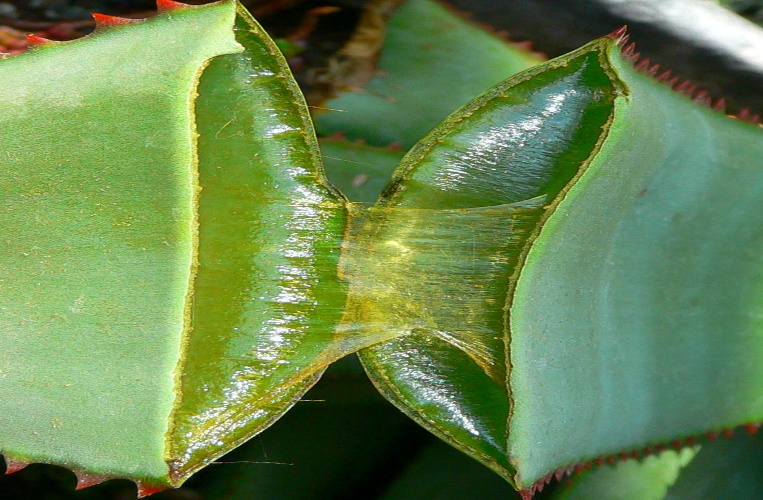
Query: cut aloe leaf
169	282
660	270
469	176
427	70
99	224
648	200
545	282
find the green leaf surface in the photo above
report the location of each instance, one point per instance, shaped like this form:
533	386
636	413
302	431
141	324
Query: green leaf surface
98	249
609	328
427	69
169	275
255	295
637	284
471	175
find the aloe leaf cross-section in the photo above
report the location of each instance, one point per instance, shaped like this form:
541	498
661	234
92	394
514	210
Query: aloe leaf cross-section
629	244
168	281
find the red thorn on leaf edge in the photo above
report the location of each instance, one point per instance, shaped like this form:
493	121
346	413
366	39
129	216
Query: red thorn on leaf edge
685	87
165	5
665	76
720	105
145	490
12	465
703	98
650	450
85	480
104	20
619	34
747	116
643	65
33	39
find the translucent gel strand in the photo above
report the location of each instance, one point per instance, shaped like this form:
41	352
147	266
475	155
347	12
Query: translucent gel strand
442	273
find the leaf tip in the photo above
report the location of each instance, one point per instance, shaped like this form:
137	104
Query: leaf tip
620	35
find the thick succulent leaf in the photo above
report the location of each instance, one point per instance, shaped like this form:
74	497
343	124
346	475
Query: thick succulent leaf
637	284
98	243
169	271
266	298
427	70
646	205
523	140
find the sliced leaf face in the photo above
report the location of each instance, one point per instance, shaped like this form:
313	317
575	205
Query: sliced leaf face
508	152
169	279
266	293
605	286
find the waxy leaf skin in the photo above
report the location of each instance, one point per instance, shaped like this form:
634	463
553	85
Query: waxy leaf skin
168	273
627	311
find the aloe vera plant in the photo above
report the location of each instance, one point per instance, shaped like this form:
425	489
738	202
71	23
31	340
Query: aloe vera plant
543	283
